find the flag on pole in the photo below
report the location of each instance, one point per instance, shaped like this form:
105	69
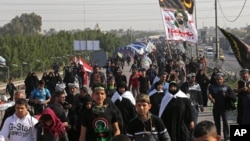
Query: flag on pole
86	66
178	20
188	5
150	47
240	49
119	54
146	61
179	25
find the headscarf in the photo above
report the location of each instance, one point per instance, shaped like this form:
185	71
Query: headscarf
57	128
173	83
121	85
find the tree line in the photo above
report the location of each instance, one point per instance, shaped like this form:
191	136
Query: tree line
26	49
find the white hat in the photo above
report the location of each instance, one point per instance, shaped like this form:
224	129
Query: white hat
73	85
60	87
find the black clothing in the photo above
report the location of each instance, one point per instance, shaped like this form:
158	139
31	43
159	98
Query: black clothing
152	129
194	92
246	114
221	106
44	135
51	84
242	96
169	68
59	111
155	100
110	91
114	70
192	67
203	81
99	124
10	88
151	73
224	101
58	79
127	110
120	78
143	81
78	107
28	85
118	114
213	79
177	117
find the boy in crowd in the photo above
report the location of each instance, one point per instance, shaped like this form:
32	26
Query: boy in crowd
206	131
101	121
146	126
21	125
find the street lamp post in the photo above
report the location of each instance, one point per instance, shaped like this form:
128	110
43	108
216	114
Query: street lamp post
23	63
15	65
8	72
43	68
38	61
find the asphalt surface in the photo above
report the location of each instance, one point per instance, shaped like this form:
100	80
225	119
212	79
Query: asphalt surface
206	115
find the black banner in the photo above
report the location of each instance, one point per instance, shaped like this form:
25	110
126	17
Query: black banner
178	4
240	49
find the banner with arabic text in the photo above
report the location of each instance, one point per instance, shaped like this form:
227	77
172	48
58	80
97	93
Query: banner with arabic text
179	25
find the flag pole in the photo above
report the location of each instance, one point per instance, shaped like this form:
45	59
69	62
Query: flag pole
216	33
169	49
197	49
167	42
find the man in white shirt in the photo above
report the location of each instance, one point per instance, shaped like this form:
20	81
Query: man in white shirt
20	126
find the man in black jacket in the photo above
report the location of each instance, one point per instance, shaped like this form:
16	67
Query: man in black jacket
10	88
193	92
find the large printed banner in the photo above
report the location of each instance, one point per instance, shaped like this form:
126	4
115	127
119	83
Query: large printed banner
179	25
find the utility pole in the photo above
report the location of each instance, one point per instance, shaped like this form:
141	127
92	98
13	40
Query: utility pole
216	33
197	50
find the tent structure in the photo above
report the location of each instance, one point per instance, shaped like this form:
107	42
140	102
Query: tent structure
131	49
2	61
139	48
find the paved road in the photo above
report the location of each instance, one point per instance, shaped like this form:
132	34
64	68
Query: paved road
206	115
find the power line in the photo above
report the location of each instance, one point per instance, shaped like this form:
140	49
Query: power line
117	20
91	3
236	16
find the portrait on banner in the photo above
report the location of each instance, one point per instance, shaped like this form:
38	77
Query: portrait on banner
179	25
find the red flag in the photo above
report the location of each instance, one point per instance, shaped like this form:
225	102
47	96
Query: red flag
86	66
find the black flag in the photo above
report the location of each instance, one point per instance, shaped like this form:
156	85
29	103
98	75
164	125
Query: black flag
240	49
178	4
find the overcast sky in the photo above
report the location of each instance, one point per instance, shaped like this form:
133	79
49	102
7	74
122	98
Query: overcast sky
119	14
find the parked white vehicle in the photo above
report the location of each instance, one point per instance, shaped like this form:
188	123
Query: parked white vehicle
209	52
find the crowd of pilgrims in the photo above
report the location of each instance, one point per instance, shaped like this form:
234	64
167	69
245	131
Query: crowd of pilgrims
159	103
